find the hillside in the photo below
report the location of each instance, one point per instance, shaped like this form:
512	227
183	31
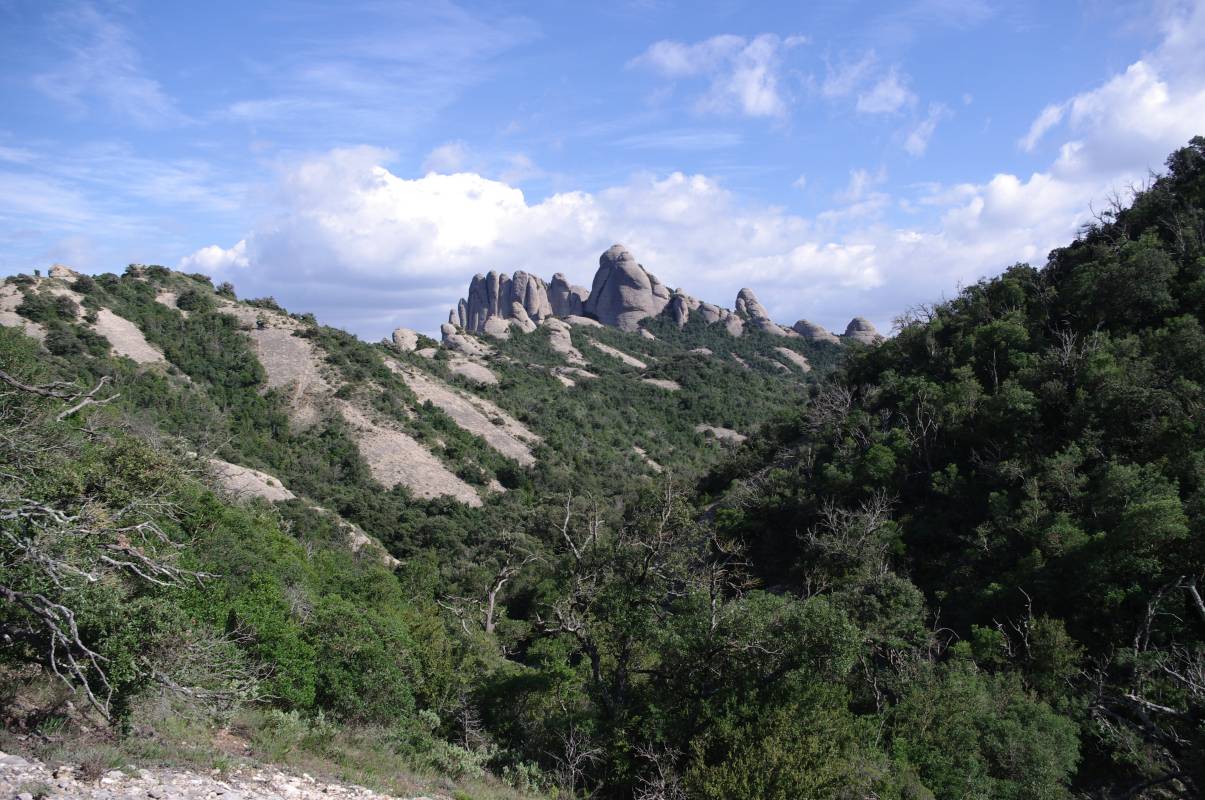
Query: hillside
621	542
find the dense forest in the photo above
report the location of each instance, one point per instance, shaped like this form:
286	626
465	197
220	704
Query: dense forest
962	563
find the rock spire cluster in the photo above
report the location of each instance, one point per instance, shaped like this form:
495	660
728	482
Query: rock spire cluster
622	294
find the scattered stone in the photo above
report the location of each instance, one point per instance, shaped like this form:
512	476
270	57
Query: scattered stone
249	782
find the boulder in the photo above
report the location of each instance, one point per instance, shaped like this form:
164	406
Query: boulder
623	293
862	330
405	340
813	332
63	271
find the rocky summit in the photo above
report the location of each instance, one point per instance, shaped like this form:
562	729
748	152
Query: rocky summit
622	295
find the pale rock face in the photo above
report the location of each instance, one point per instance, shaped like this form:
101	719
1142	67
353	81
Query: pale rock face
795	358
623	292
813	332
566	299
497	296
748	305
582	322
405	340
861	330
497	327
561	341
459	342
63	271
519	317
680	306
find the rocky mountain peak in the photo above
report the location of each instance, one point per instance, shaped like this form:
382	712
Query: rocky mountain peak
622	294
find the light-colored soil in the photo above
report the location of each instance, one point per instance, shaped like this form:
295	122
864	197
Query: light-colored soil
661	383
631	361
10	298
22	778
125	337
474	414
395	458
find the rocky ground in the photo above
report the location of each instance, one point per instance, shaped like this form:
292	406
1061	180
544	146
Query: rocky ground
25	779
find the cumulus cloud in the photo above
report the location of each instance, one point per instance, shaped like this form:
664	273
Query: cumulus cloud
743	74
215	259
1127	123
368	249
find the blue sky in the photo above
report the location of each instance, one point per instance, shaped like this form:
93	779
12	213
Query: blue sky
363	159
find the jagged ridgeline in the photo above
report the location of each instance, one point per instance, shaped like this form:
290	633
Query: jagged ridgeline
624	543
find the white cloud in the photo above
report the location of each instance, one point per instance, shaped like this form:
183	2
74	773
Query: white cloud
888	95
1131	121
449	157
801	182
214	259
844	79
1051	115
104	63
367	248
918	138
861	181
743	73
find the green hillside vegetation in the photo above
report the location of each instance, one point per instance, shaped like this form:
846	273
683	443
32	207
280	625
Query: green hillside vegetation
963	563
